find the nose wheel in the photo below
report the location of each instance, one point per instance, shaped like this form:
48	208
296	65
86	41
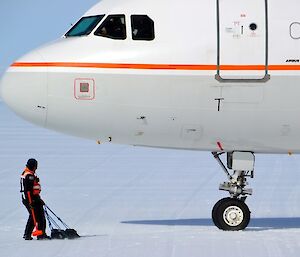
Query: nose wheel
231	214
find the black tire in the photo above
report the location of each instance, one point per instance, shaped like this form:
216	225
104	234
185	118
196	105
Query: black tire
214	213
231	214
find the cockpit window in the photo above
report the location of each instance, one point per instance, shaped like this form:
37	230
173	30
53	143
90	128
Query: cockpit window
113	27
142	27
84	26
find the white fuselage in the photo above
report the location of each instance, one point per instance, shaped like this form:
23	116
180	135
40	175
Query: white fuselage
165	92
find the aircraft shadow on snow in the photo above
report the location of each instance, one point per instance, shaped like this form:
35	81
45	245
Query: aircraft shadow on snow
256	224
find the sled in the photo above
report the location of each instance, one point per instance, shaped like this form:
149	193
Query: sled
57	232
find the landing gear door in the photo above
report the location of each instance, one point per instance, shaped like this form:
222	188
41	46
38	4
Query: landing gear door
242	41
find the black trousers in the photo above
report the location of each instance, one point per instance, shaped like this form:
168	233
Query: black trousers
39	215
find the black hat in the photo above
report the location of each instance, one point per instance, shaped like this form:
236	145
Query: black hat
32	164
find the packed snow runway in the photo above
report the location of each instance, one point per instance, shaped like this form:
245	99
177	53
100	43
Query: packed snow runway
133	202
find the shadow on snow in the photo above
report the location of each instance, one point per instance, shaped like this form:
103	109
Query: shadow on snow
256	224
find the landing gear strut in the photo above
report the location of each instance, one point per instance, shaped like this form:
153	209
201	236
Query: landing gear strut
232	213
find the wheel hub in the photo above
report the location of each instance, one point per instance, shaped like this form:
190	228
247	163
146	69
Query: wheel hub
233	216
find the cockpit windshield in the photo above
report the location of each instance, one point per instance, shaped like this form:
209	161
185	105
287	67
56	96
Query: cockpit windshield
114	27
84	26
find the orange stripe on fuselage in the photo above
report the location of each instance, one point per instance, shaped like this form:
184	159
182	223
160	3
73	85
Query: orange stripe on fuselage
116	66
153	66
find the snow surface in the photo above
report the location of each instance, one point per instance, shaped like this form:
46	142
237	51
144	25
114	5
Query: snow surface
139	202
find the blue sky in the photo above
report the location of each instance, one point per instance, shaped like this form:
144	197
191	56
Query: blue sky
26	24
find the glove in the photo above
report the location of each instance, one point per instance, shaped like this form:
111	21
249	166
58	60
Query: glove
42	202
32	205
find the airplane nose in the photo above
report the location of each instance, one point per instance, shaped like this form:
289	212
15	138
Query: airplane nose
24	90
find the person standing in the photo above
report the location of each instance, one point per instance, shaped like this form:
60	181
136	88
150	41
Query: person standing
31	189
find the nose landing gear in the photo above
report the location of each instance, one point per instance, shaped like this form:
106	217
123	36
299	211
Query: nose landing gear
232	213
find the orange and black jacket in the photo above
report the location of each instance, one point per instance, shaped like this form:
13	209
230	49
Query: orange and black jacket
30	186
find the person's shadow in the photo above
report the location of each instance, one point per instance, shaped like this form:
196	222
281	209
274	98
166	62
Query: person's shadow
256	224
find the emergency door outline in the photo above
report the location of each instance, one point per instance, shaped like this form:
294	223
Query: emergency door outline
84	89
238	78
